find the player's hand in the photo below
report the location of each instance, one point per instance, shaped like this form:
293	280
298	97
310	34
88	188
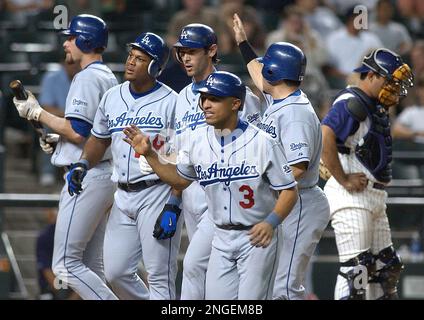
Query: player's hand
49	143
261	234
145	168
239	33
166	223
75	177
29	109
136	139
355	182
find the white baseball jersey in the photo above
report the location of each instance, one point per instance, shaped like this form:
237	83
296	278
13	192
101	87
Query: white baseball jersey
294	123
240	173
87	88
188	117
153	113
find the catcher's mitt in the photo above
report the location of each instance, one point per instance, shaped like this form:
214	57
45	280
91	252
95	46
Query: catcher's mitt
396	86
324	173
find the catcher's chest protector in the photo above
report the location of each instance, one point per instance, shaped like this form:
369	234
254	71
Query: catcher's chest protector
374	150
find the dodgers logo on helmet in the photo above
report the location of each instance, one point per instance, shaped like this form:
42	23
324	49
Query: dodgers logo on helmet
184	35
210	81
90	31
156	48
223	84
283	61
146	40
196	35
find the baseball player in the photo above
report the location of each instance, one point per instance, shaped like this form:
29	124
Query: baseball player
291	120
242	172
196	50
357	150
140	197
80	226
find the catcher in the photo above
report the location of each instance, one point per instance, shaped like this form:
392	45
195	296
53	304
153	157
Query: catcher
357	150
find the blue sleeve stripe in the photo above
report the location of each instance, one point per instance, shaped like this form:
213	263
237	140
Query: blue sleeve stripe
69	116
182	174
81	127
298	160
284	186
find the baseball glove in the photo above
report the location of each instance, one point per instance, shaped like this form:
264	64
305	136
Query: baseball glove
75	176
166	223
324	173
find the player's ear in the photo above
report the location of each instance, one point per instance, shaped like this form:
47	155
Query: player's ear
236	105
212	50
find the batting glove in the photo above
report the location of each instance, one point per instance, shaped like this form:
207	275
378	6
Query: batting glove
75	176
49	143
29	109
166	223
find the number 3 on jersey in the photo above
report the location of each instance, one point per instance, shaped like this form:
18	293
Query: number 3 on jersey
248	197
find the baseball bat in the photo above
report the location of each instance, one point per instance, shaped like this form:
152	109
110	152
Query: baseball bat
19	92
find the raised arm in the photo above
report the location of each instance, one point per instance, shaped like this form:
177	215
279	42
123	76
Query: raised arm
249	56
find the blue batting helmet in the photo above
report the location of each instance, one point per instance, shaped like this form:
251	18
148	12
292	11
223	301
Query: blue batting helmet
156	48
196	36
223	84
382	61
90	31
283	61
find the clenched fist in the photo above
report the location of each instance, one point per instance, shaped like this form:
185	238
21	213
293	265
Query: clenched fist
49	143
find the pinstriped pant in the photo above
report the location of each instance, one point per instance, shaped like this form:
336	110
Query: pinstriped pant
360	223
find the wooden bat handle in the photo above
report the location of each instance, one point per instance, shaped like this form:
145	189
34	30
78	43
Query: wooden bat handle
18	90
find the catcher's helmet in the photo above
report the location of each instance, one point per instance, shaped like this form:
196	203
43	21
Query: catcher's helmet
283	61
90	31
223	84
196	36
156	48
382	61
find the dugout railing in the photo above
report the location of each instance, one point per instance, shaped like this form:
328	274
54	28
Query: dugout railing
12	284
